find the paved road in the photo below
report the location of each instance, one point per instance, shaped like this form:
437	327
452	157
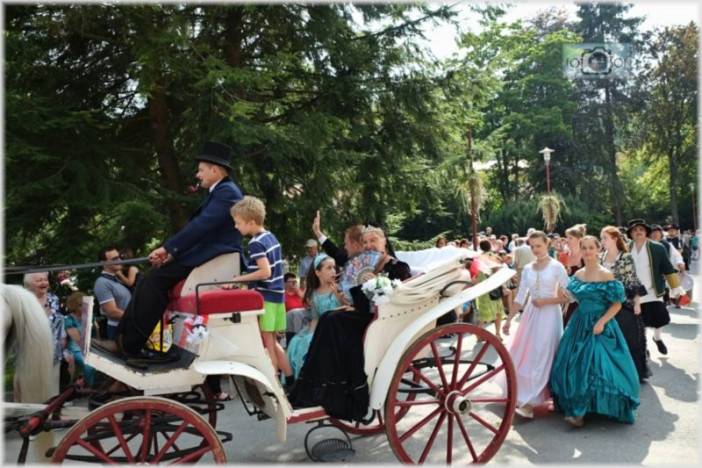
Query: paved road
666	430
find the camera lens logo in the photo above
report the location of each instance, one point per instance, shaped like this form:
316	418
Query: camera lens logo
596	61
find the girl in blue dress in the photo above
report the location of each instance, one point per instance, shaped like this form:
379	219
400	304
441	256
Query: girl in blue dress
593	371
321	296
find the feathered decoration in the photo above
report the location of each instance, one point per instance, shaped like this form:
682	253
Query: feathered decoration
551	206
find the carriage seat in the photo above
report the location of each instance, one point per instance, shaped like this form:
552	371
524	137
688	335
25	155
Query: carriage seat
213	300
219	301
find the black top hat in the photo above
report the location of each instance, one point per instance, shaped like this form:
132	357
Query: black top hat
216	153
638	222
672	226
656	227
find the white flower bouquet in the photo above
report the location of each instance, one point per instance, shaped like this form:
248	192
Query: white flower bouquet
379	289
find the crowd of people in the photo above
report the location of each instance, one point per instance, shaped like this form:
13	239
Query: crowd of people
584	302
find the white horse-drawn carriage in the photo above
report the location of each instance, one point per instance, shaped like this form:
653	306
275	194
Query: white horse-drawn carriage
433	389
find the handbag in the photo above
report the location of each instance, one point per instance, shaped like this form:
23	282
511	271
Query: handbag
495	294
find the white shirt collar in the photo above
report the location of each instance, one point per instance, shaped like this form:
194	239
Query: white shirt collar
214	185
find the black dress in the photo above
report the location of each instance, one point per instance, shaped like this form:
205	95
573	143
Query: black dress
333	374
632	325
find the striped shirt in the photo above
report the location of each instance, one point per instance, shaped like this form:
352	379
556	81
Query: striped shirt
266	245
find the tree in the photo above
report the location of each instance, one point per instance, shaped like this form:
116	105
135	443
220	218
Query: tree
604	100
108	105
669	118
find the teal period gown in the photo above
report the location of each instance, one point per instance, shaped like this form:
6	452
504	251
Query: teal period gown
594	373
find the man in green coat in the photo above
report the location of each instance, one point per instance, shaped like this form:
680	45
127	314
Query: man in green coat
654	269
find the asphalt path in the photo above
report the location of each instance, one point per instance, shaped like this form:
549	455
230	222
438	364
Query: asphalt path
666	430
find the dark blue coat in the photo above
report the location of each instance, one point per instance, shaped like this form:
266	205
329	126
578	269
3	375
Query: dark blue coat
210	231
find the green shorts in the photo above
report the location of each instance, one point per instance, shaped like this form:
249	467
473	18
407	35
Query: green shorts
273	320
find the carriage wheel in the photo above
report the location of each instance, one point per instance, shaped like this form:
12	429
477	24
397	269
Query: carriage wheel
141	430
463	415
377	424
204	403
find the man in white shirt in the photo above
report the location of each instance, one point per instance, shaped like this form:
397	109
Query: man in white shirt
653	269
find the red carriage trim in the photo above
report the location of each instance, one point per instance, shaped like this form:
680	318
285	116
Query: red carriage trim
219	301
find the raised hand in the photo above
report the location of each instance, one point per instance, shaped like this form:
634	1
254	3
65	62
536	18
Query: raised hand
316	229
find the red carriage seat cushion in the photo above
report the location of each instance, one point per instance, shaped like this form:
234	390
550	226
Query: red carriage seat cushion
219	301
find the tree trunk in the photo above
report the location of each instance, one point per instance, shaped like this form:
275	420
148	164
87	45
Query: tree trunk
234	36
616	189
672	184
159	115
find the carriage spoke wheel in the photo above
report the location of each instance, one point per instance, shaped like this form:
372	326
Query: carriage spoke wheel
141	430
466	407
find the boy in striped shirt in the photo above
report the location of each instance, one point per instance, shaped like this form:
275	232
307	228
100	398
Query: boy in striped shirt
265	271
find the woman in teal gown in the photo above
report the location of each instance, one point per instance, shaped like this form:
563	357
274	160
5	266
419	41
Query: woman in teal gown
593	371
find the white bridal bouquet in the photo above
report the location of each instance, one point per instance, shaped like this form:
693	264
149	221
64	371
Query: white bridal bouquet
378	289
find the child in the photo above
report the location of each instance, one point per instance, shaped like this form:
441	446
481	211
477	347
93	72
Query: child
266	270
541	326
321	296
489	309
72	322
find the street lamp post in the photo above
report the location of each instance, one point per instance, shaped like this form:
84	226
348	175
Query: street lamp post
547	159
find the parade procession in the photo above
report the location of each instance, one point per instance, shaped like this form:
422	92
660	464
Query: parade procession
350	233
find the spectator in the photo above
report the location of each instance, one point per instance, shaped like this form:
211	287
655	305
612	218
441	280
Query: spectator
695	246
312	250
513	243
440	242
112	296
521	257
490	309
294	307
75	332
128	275
505	243
673	235
38	284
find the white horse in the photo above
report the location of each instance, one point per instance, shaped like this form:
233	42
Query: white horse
24	324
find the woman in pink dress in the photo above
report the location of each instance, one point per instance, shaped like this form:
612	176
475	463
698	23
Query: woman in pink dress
534	345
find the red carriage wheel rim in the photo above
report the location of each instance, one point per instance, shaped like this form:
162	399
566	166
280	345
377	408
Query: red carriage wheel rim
452	396
138	413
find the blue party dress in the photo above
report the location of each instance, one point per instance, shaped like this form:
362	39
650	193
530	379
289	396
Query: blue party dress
300	343
594	373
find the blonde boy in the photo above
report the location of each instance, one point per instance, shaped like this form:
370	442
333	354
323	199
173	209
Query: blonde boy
265	271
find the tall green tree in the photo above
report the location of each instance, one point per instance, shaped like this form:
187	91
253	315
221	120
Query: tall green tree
604	102
669	119
108	104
